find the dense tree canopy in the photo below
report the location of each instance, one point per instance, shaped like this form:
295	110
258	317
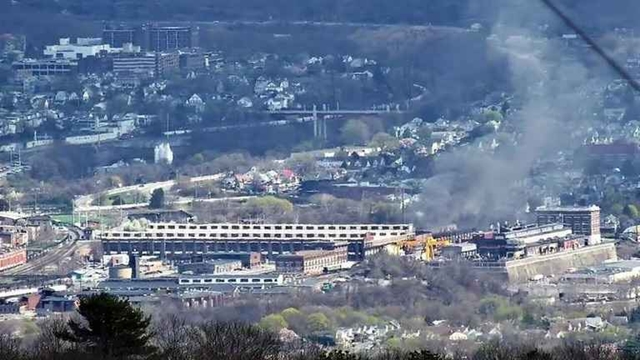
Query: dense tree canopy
109	327
157	199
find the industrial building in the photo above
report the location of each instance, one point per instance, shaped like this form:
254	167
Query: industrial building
211	267
12	257
607	273
248	260
581	220
459	251
16	236
187	239
195	299
528	240
312	262
187	283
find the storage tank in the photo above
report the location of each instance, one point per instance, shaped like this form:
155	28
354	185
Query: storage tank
120	272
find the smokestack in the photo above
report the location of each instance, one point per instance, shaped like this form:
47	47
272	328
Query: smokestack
134	263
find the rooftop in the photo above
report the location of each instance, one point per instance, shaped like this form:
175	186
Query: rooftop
567	208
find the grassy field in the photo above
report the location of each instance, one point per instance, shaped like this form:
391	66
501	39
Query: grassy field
131	197
108	220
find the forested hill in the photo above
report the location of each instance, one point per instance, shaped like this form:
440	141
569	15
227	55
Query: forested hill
613	13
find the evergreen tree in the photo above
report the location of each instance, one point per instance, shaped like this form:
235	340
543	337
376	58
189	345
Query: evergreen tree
111	327
157	199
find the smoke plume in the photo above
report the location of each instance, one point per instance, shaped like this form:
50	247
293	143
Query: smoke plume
473	187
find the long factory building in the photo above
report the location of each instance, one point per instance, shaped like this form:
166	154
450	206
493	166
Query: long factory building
175	240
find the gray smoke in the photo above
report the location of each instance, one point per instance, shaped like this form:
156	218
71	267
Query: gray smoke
472	187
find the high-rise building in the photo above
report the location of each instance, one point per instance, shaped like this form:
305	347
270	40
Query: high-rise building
117	36
581	220
167	38
151	37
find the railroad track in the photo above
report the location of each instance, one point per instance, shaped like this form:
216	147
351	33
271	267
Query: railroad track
53	257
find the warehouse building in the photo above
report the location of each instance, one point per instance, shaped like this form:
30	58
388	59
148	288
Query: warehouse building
312	262
211	267
11	257
187	239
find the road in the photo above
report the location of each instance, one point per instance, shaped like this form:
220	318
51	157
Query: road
54	256
84	203
179	201
321	24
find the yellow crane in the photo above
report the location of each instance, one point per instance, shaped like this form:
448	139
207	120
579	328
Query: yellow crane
428	245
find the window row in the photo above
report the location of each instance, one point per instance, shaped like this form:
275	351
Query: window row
278	227
242	236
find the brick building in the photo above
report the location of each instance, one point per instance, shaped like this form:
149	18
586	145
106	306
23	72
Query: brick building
11	258
312	262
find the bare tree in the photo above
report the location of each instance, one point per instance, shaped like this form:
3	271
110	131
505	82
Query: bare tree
591	350
48	346
174	338
234	341
10	347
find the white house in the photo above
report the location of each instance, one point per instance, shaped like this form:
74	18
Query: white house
196	102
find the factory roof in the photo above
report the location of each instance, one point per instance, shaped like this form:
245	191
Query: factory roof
306	254
614	267
12	215
567	208
159	283
216	262
465	246
232	276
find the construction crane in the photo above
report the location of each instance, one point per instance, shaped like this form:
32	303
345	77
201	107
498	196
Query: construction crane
426	244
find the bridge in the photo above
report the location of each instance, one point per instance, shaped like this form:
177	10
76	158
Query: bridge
319	116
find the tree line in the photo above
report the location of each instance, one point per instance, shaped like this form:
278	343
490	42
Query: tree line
107	327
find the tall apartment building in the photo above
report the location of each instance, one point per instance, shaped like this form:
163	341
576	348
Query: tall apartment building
581	220
117	36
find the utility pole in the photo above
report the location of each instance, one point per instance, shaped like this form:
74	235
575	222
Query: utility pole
404	221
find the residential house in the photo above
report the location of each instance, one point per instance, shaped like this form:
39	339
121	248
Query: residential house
196	102
280	102
410	128
245	102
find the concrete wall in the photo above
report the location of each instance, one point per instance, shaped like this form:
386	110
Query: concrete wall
525	269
